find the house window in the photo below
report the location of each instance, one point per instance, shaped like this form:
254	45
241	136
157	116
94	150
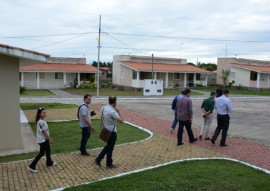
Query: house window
176	76
122	74
253	76
198	77
41	75
58	75
145	75
134	74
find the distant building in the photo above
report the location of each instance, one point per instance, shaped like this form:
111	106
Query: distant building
56	73
131	71
245	72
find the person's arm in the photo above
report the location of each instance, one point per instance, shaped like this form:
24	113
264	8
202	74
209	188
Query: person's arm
229	106
190	110
202	107
47	136
117	116
88	122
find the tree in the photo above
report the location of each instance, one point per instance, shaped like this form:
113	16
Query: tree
224	76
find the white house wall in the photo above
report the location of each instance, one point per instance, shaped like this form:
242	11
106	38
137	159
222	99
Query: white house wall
126	79
242	77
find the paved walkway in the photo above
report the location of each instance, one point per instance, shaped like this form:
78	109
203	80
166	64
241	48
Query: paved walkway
74	169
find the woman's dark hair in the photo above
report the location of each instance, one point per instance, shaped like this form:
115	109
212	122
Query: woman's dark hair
38	113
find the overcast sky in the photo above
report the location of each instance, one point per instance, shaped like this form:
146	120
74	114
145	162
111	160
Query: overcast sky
192	29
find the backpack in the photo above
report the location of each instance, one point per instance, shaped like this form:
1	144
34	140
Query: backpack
80	108
174	102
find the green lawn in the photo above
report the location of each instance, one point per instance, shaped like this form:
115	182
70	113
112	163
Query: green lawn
207	175
110	91
36	93
237	91
66	138
34	106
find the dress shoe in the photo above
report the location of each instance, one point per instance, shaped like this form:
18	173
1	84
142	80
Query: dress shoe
97	162
207	138
200	137
212	141
85	154
223	145
179	144
194	140
112	166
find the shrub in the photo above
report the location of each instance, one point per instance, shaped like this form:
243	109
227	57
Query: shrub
22	89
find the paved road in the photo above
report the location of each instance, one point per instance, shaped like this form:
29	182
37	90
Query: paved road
250	118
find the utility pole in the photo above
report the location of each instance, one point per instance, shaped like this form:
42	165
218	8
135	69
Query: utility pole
152	66
99	30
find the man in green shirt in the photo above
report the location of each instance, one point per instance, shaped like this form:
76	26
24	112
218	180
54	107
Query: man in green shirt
207	108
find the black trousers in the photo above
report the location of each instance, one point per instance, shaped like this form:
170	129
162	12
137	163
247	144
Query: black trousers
187	124
85	136
108	149
44	147
223	122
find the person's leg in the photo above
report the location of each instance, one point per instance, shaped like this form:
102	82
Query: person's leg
189	131
180	132
85	136
49	161
174	121
110	149
208	124
218	129
225	127
38	157
203	127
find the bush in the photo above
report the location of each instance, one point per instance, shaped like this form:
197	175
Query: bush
22	89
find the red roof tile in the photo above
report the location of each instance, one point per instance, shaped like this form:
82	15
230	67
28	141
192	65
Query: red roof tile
142	66
265	69
83	68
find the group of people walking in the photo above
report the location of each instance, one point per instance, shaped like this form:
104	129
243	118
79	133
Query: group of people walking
183	113
110	115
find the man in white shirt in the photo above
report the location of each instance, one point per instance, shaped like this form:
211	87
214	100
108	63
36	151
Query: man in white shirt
224	107
110	115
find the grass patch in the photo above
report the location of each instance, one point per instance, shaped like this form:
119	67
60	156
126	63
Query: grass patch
35	106
186	176
36	93
66	138
110	91
238	91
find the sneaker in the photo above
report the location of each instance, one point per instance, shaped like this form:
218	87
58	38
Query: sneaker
212	141
179	144
172	130
194	140
32	170
97	162
112	166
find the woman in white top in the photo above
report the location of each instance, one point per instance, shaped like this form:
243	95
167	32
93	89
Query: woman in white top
43	140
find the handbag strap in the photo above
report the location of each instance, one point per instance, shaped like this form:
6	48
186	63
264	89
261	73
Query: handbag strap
102	120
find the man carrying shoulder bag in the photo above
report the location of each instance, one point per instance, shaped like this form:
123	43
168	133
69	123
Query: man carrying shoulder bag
109	115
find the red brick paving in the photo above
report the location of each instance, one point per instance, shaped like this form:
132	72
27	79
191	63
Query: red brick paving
241	149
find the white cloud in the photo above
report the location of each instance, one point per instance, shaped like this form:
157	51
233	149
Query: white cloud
209	19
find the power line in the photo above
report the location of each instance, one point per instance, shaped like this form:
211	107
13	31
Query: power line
189	38
124	43
45	35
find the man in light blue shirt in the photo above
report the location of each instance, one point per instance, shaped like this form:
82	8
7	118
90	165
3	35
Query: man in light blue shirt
223	106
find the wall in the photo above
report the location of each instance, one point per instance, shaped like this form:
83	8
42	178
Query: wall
127	78
116	68
223	64
10	136
242	77
26	62
65	60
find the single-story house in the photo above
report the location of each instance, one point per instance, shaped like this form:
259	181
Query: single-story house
56	75
245	72
10	59
131	71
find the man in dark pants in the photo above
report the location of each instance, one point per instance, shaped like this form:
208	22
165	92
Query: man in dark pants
184	115
224	107
85	123
110	114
